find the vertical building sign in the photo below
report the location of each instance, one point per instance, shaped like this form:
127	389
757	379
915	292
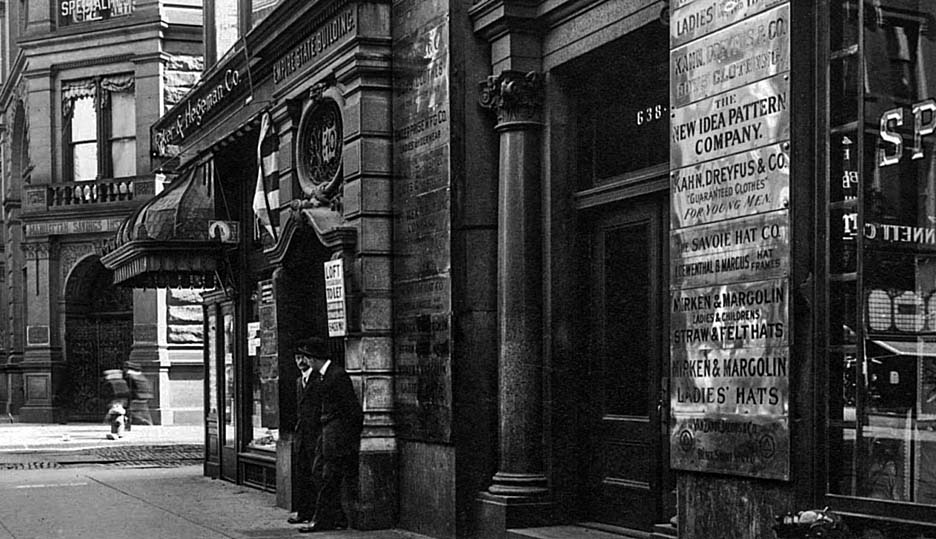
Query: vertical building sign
422	219
335	298
730	244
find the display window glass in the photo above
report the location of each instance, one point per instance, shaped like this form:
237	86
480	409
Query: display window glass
264	379
881	321
230	377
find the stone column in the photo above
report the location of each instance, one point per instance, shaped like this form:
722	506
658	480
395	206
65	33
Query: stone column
520	485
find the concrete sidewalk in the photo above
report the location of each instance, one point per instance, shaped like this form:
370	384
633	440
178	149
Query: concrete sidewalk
157	504
20	437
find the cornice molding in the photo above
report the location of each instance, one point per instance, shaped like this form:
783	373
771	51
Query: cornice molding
116	59
495	18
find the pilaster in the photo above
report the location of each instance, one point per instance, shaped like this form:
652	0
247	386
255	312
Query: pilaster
42	362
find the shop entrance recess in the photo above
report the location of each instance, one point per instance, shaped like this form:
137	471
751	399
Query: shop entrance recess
625	458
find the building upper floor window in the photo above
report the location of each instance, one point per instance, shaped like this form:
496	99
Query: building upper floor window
99	121
226	21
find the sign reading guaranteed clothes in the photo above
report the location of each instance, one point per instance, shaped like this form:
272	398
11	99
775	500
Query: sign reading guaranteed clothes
730	240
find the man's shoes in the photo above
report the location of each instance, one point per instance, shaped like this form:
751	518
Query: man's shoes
317	527
299	519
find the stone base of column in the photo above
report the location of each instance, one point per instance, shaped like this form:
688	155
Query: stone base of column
375	505
497	513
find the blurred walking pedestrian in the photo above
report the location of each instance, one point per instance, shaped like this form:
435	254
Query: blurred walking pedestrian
117	393
140	393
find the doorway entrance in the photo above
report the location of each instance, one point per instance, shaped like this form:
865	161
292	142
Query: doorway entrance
98	336
626	354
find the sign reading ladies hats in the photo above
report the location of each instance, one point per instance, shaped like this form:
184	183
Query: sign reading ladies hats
335	298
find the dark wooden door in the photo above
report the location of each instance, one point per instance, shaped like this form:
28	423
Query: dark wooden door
625	343
93	345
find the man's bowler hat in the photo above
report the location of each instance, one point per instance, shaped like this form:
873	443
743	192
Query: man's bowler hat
315	347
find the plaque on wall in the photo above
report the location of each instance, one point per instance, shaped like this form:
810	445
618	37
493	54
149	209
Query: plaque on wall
747	249
695	18
740	120
741	184
751	50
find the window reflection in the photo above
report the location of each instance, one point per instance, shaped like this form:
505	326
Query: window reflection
882	256
262	358
230	414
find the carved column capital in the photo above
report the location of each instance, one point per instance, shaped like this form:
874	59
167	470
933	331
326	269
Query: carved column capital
35	251
516	97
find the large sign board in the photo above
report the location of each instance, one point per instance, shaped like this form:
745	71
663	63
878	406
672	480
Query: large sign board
730	240
422	311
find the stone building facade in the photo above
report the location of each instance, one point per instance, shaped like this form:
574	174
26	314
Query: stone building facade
83	81
656	269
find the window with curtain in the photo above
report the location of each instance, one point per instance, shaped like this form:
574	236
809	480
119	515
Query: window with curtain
99	121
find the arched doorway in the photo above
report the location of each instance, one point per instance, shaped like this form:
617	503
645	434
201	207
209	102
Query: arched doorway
98	336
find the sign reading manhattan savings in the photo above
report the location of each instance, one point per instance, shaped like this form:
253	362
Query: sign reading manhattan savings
730	239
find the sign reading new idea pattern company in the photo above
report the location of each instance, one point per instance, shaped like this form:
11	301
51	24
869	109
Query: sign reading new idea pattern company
730	238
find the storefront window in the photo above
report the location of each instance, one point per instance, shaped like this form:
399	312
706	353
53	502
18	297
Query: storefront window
230	378
264	378
212	359
882	251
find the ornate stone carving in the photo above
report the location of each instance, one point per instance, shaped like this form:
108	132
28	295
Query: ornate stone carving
36	251
516	97
320	144
71	253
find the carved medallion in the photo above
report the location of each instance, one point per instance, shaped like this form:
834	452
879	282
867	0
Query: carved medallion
319	146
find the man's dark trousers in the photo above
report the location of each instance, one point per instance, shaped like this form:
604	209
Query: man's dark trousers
308	428
336	457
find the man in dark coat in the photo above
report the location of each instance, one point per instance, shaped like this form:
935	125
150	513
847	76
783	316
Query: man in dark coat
308	428
336	453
